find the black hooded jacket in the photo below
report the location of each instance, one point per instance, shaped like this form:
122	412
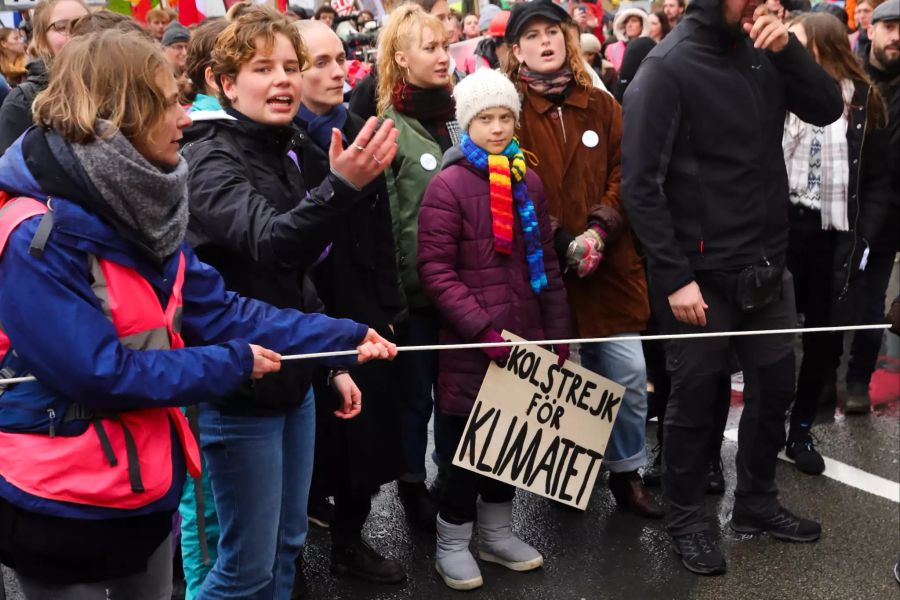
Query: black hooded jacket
254	219
703	175
15	114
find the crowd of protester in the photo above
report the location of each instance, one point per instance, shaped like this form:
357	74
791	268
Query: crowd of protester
181	205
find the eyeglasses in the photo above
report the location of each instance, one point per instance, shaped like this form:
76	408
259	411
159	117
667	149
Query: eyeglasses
61	26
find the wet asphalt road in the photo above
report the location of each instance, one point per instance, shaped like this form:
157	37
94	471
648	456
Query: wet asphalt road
605	553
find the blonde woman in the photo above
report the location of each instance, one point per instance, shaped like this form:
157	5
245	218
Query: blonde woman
93	453
51	22
414	91
12	55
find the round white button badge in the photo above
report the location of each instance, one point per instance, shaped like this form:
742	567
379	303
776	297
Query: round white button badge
428	162
590	138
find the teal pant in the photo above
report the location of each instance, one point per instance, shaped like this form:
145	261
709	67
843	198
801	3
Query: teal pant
191	556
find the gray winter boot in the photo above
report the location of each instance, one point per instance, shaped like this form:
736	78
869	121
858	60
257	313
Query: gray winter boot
496	542
453	560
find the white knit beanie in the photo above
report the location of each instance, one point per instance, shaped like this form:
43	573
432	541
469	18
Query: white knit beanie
483	89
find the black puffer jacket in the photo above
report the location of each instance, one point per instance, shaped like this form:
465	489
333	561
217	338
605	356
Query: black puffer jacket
254	219
15	114
703	175
869	203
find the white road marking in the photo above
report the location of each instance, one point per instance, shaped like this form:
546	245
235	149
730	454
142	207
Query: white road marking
847	475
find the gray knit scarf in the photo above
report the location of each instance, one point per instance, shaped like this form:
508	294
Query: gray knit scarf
148	200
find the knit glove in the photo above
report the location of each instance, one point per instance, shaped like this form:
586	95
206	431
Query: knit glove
563	352
586	251
495	354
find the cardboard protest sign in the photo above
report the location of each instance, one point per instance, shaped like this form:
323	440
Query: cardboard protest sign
540	427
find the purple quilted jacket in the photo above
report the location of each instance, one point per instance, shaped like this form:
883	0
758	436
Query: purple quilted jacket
475	288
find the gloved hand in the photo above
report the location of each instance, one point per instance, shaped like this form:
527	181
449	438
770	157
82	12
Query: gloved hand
495	354
563	352
586	251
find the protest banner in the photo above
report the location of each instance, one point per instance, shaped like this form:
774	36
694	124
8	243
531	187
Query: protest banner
539	426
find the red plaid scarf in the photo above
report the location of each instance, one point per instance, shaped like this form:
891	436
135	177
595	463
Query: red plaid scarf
433	107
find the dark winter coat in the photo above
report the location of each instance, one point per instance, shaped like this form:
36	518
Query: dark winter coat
703	174
15	114
359	278
255	220
869	203
582	184
475	288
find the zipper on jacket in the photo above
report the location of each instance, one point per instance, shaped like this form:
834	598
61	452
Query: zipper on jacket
851	258
52	414
562	124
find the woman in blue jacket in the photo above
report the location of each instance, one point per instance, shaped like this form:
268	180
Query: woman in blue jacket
119	322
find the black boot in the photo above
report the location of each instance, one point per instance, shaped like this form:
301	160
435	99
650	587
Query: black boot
359	559
420	507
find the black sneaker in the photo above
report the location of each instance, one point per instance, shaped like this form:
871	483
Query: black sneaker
782	524
801	449
420	507
320	512
699	553
652	473
360	560
715	482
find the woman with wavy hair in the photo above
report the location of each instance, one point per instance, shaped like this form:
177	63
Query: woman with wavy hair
256	218
573	131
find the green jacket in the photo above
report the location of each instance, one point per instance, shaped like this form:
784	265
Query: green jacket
407	180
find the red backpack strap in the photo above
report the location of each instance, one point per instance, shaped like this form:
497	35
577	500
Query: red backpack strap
14	212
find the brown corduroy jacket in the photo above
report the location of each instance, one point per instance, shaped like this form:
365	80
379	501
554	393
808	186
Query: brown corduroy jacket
575	150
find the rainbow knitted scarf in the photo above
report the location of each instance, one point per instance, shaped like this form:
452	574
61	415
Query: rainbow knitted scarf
506	177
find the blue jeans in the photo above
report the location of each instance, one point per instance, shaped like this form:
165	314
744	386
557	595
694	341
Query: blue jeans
623	362
260	468
419	382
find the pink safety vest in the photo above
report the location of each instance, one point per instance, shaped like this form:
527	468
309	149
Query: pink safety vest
125	460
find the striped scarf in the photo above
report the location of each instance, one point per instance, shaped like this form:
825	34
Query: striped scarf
506	178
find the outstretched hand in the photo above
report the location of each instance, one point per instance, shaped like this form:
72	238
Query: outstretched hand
367	156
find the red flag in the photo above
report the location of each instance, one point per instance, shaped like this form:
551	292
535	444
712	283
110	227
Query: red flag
139	10
188	13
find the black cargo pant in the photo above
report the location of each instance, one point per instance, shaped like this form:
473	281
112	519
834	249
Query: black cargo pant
695	367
